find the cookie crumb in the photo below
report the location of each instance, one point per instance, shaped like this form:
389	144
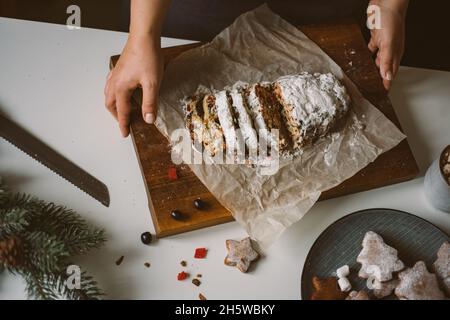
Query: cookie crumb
196	282
183	263
119	261
147	264
201	297
199	275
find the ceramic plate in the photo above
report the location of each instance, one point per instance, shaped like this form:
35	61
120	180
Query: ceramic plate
414	238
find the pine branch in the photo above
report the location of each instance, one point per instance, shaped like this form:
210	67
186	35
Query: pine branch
67	227
88	288
50	234
12	221
44	252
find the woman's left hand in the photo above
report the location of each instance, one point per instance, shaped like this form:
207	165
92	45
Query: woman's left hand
388	41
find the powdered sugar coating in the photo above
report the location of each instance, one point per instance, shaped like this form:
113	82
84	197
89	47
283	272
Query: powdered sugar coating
442	266
302	108
245	121
312	102
256	111
224	113
378	259
384	289
418	284
240	254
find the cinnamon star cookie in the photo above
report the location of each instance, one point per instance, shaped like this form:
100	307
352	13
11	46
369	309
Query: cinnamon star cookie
240	254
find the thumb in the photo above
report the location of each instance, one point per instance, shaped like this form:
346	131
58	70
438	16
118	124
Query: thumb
149	102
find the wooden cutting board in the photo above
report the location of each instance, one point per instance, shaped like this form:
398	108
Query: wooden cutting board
344	43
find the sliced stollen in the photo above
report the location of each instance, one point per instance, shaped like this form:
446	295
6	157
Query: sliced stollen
301	108
266	114
229	124
245	121
194	118
213	141
312	104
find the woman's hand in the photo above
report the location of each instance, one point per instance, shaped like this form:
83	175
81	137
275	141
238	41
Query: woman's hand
388	42
140	65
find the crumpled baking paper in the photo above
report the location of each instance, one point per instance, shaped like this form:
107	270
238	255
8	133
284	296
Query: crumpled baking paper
260	46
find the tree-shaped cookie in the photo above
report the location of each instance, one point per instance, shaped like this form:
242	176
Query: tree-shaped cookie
378	259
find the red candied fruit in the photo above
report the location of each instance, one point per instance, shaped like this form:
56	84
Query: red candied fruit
182	275
172	174
200	253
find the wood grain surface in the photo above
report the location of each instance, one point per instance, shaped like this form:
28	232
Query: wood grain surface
344	43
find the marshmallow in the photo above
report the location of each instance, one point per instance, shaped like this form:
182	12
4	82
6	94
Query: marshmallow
343	271
344	284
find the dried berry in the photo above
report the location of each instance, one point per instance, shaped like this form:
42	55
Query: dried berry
196	282
119	261
146	238
182	275
200	253
183	263
147	264
199	204
199	275
177	215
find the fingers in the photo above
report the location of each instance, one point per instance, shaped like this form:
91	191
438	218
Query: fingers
149	102
373	47
110	98
123	97
387	65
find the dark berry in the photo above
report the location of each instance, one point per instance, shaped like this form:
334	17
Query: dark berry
199	204
146	238
177	215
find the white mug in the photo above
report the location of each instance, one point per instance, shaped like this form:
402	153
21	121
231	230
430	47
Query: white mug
437	184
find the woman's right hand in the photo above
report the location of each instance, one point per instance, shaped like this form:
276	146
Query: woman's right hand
140	65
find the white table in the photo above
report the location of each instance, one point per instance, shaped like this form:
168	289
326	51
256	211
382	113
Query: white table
51	82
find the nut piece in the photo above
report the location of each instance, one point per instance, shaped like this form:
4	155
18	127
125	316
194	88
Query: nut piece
196	282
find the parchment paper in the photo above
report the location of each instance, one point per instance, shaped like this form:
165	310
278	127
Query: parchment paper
260	46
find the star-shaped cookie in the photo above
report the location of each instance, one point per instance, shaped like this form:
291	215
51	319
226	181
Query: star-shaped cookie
378	259
442	266
418	284
240	254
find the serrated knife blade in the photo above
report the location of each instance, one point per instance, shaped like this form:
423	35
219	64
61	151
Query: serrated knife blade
53	160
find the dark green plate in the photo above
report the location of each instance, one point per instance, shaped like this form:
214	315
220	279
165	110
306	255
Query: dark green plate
414	238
